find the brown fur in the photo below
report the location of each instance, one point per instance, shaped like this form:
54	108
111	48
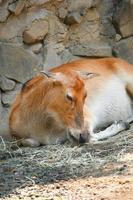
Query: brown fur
33	112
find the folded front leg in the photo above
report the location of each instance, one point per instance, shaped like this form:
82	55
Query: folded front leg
110	131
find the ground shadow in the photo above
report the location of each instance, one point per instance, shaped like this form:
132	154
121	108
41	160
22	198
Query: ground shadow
49	164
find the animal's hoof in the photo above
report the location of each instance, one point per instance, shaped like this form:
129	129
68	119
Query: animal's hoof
123	125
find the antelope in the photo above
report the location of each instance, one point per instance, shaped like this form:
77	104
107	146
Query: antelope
87	100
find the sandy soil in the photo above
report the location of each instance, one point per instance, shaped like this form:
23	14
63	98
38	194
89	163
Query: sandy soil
102	171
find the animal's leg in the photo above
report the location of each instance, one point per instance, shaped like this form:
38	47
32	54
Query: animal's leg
30	142
112	130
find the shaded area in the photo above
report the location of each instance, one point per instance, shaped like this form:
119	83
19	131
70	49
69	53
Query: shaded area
27	167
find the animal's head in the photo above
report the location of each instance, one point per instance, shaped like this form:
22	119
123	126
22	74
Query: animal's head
66	100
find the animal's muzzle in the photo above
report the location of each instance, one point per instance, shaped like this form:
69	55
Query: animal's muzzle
79	121
78	136
82	139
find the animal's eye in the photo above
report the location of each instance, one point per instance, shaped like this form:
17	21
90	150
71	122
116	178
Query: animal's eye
69	97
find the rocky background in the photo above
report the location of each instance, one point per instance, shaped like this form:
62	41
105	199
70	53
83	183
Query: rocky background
40	34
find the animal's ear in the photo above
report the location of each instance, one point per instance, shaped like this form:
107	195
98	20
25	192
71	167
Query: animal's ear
53	76
47	74
86	75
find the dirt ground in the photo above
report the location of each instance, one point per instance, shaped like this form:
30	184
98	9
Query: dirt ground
103	171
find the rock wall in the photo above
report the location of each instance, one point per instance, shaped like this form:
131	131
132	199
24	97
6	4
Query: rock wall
36	35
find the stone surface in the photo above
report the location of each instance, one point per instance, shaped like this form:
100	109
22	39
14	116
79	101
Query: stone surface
3	118
59	47
92	15
6	84
14	27
124	49
17	6
4	131
0	102
106	11
67	56
36	48
57	30
51	58
38	2
92	49
4	13
7	98
17	63
72	18
123	18
88	30
107	29
117	37
80	4
36	32
106	8
62	10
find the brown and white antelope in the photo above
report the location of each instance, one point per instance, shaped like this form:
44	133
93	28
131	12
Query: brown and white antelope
68	103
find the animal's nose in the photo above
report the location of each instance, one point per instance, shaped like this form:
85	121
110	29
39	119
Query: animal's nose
78	137
82	138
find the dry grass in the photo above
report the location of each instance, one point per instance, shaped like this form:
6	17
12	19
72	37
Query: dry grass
25	166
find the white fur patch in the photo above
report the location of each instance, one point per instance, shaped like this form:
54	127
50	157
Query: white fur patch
110	104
